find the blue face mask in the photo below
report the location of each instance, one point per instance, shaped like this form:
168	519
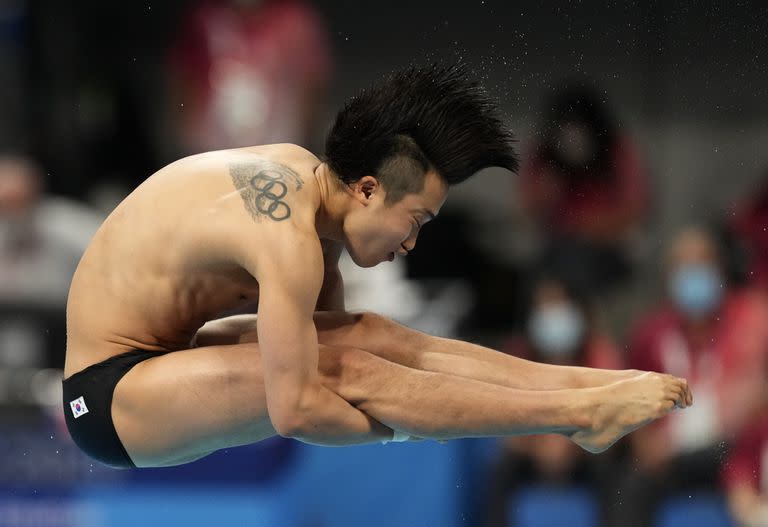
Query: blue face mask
696	289
556	331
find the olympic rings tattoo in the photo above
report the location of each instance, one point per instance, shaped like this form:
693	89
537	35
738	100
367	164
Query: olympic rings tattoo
269	192
263	187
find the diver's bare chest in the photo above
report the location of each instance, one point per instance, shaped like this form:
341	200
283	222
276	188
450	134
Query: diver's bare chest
245	293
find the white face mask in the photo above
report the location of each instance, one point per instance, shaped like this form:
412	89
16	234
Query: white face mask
696	289
556	331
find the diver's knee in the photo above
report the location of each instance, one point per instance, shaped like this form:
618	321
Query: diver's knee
374	322
345	370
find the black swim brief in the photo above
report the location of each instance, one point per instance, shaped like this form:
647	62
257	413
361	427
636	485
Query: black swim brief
88	407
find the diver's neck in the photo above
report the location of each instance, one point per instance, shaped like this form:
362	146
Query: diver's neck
331	210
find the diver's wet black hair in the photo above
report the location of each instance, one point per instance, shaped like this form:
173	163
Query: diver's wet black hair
416	119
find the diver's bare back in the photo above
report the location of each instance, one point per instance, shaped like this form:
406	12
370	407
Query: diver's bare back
164	262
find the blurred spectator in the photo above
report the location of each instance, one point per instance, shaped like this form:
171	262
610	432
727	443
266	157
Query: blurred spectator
41	240
560	329
745	474
584	187
715	336
248	72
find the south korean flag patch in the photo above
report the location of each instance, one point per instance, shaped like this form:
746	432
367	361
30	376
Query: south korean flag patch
78	407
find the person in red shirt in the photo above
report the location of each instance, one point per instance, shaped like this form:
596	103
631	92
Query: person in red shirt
244	72
585	188
560	328
715	335
745	474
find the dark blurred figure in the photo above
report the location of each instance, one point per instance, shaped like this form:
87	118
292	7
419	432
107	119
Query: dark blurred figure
561	328
715	336
585	188
13	18
41	240
493	286
749	224
248	72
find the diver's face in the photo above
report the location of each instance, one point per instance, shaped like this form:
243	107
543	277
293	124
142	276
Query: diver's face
377	231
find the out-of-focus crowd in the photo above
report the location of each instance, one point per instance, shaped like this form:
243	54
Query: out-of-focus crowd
239	73
586	188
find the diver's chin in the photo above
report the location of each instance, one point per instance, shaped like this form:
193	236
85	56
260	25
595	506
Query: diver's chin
364	262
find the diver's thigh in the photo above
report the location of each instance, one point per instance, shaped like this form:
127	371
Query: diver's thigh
373	333
186	404
234	329
367	331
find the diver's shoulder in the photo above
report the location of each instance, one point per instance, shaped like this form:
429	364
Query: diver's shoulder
279	152
287	155
275	152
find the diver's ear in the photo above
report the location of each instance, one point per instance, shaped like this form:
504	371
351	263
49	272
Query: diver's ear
365	188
